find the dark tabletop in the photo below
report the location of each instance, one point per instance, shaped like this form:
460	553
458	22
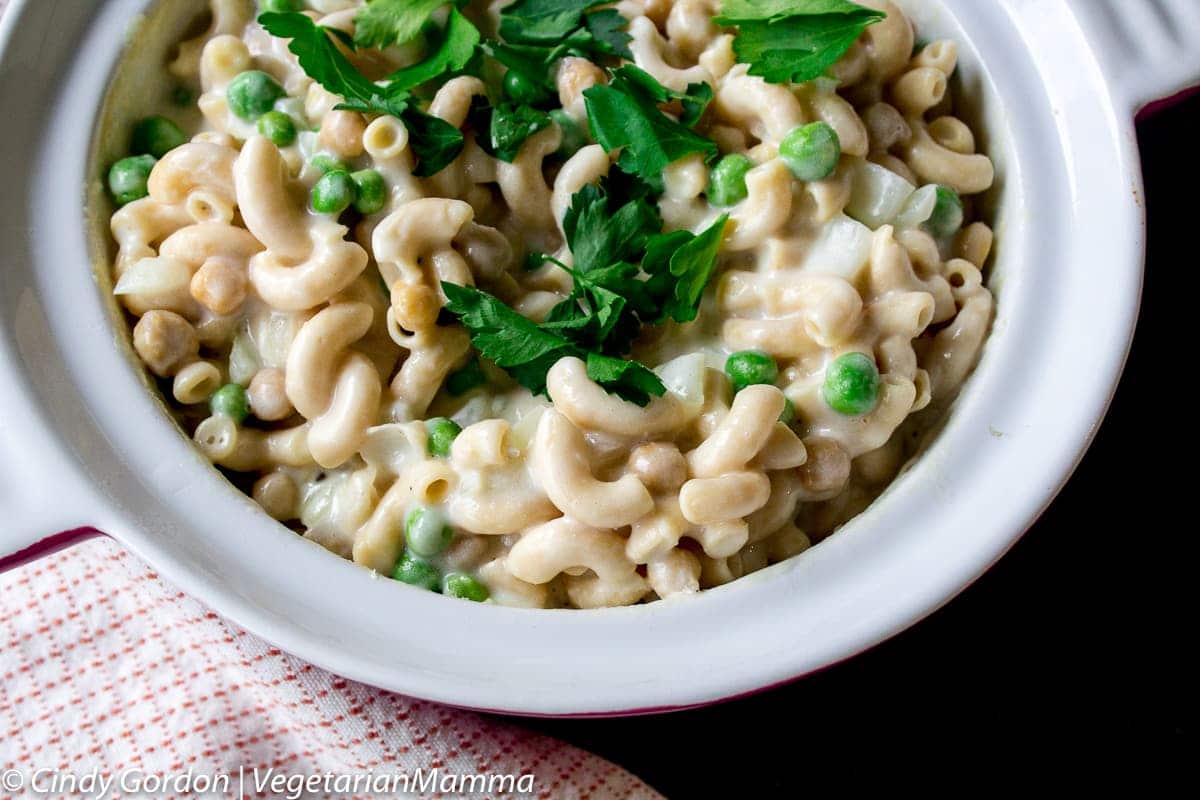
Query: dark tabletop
1077	634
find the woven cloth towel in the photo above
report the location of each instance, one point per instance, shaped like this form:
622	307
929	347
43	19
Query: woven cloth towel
107	670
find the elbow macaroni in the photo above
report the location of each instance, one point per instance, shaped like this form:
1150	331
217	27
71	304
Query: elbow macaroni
579	499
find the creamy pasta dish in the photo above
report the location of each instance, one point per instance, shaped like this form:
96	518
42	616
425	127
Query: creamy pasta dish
555	303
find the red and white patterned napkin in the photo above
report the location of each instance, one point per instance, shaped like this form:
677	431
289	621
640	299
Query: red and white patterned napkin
106	669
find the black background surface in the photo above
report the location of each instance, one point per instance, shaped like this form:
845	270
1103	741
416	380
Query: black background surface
1076	638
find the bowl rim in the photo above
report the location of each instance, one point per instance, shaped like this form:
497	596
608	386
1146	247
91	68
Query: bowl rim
133	511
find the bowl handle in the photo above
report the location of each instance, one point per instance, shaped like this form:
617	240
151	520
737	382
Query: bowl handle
1149	49
44	498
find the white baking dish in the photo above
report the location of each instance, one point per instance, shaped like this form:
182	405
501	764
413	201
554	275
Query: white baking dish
83	443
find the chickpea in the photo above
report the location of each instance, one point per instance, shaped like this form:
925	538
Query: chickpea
342	133
659	465
278	494
165	341
268	398
828	467
416	306
220	287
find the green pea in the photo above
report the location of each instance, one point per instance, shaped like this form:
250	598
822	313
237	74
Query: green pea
279	6
415	572
464	380
333	193
252	94
947	216
426	532
465	587
370	192
441	433
278	127
727	184
524	89
851	384
574	136
750	367
230	401
811	151
788	415
156	136
128	179
323	163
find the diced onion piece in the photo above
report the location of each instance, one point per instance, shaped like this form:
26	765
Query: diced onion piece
294	108
684	377
335	507
525	427
918	208
274	337
243	359
476	409
155	277
392	447
309	144
842	248
877	194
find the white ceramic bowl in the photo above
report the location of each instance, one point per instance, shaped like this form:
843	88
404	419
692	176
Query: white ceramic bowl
83	443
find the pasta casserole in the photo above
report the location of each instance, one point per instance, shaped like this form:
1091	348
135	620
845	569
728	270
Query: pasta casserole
555	303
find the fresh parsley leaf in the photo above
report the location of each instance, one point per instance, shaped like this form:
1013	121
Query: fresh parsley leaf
675	267
511	125
609	227
657	265
787	41
600	232
319	56
680	264
381	23
773	10
694	101
543	21
527	350
548	30
434	141
454	51
503	335
607	26
692	266
530	61
624	114
630	380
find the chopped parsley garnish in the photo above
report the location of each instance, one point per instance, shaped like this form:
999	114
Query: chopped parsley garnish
382	23
610	228
625	115
434	141
511	124
565	27
536	35
794	40
455	49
